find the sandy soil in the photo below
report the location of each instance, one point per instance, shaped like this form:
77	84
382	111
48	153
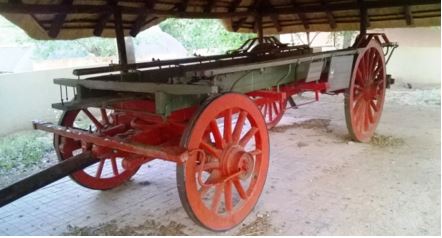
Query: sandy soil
319	182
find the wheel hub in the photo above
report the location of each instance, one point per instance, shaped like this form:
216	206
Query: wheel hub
235	159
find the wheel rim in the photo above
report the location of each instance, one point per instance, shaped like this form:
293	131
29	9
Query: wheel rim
220	189
365	97
110	171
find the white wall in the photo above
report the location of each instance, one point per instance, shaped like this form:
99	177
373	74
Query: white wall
418	58
28	96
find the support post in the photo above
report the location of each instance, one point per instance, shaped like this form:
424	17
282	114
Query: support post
363	18
119	34
258	22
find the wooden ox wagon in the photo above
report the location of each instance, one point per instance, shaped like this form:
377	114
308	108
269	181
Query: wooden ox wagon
209	114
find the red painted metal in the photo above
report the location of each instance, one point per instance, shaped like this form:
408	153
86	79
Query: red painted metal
364	99
221	181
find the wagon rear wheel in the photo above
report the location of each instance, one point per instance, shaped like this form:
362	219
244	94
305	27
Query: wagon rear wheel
224	176
271	109
365	96
110	171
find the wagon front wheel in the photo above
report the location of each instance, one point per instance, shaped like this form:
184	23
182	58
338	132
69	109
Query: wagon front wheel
222	179
365	96
110	171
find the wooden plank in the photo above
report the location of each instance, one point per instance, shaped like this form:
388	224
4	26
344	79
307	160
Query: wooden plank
58	20
139	87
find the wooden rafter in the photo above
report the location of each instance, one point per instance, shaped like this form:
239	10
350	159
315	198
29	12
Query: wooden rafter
329	13
253	8
101	23
301	15
97	9
210	4
141	18
235	4
408	15
57	23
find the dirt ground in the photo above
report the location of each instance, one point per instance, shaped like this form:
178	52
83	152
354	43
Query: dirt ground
319	182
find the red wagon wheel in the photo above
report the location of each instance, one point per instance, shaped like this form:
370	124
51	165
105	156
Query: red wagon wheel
224	176
364	99
272	110
110	171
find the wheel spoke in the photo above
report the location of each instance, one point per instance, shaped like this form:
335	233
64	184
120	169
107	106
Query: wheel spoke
255	152
270	112
219	142
92	118
275	108
369	114
104	116
242	193
211	149
228	126
114	166
228	196
216	197
100	168
208	166
374	106
246	138
239	126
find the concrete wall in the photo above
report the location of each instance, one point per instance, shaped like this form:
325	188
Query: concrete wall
418	58
28	96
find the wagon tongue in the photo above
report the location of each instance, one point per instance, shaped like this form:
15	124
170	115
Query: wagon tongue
45	177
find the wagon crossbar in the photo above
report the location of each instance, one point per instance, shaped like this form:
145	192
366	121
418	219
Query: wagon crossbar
169	153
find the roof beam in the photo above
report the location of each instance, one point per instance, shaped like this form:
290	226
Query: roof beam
235	4
99	27
141	18
58	21
97	9
253	7
210	4
301	15
330	16
408	15
182	6
104	18
275	21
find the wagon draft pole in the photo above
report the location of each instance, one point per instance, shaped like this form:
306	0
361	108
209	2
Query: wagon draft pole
208	114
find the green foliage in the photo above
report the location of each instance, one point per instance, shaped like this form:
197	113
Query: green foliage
204	34
92	46
207	35
23	149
